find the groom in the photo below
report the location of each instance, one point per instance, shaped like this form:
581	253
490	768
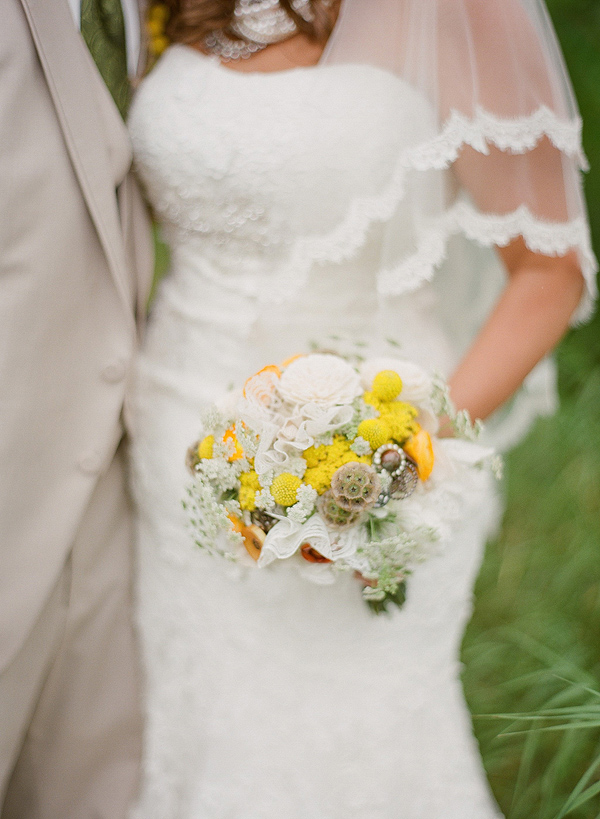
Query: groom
75	270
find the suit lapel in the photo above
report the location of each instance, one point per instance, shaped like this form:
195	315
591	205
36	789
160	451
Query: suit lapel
100	157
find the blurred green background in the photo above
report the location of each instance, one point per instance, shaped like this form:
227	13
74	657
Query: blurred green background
534	641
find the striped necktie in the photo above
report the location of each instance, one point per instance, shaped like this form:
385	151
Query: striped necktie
103	29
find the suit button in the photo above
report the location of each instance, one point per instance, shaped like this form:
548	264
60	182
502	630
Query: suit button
115	372
90	463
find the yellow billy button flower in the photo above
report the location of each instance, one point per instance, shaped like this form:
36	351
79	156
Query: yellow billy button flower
387	385
205	447
375	431
284	489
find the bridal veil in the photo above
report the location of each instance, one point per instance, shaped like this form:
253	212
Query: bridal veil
501	117
498	155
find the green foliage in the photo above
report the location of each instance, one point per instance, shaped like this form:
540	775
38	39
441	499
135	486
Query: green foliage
533	644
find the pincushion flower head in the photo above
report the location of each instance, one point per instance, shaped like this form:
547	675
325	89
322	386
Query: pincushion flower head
355	486
320	379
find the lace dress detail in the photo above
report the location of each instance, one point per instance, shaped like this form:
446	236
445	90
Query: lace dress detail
268	696
300	230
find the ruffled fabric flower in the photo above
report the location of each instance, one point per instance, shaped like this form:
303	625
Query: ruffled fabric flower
320	379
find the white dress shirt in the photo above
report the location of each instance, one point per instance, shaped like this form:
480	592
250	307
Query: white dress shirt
131	13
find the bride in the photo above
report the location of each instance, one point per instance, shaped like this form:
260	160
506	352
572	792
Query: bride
330	173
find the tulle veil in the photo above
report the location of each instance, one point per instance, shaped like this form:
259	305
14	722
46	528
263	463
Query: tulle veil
499	155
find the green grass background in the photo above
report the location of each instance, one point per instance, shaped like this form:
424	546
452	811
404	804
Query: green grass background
534	639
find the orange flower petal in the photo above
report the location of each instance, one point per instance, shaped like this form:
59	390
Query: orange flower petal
420	448
288	361
237	524
311	555
231	436
260	386
254	537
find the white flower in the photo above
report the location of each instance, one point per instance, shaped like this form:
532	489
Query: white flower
264	500
360	446
320	379
300	511
386	480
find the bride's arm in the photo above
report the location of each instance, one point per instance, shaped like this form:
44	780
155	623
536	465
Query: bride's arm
528	320
541	293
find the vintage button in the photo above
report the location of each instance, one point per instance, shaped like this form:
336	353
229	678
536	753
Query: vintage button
90	463
115	372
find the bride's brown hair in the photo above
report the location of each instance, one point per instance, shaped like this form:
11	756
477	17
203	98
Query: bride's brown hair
191	20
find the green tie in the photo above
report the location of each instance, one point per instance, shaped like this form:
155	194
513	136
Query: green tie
103	29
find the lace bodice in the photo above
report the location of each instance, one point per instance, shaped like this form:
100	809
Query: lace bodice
291	171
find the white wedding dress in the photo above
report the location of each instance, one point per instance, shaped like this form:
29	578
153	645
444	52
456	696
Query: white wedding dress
270	697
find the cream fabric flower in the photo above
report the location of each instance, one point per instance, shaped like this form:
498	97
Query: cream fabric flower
416	382
320	379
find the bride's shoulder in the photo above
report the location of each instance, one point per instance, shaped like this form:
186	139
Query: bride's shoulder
179	72
178	61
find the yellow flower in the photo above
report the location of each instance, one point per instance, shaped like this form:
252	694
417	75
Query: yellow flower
371	399
159	44
159	12
400	428
400	418
326	452
387	385
398	408
250	479
205	447
313	455
374	430
334	456
155	26
247	498
284	489
319	477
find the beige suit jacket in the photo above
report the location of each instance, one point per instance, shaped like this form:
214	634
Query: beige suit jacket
75	270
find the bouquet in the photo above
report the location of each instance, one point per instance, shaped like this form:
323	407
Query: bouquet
333	466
